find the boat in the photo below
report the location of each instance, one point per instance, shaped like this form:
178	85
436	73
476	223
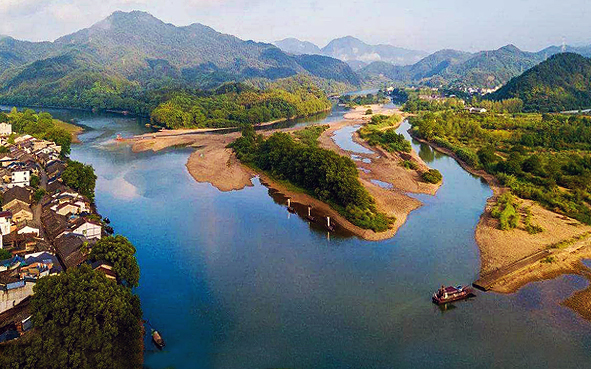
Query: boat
448	294
158	341
119	138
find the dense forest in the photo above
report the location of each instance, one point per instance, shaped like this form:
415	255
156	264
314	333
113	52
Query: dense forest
544	158
321	173
233	105
561	83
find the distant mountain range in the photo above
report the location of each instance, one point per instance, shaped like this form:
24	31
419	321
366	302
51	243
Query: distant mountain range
136	48
353	51
452	68
563	82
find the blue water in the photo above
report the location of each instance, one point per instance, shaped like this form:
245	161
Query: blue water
232	280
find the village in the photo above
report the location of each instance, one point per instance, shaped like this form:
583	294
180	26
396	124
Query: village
46	227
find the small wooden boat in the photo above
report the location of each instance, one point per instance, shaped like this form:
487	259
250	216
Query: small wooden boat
448	294
158	341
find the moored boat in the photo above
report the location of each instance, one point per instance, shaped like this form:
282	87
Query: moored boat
450	294
158	341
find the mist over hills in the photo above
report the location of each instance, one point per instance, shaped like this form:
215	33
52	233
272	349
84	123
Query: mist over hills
354	51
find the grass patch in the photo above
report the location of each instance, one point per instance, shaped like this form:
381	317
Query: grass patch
569	242
409	164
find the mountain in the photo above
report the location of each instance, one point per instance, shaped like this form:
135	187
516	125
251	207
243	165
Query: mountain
490	69
297	47
435	64
563	82
134	50
457	69
350	48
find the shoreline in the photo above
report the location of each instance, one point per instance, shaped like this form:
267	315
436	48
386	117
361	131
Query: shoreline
213	163
509	260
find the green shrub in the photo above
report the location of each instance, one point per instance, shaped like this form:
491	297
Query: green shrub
432	176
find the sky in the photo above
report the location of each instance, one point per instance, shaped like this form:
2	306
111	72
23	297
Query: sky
427	25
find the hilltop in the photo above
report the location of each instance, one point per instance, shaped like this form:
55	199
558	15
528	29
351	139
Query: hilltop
563	82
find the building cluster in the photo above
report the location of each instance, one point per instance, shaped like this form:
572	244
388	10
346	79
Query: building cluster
43	234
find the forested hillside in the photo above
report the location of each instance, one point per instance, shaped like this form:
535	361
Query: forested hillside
117	62
563	82
233	105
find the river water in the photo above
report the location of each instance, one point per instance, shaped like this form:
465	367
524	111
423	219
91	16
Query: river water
232	280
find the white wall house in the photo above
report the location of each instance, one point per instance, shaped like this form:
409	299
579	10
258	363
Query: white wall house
5	224
88	230
20	178
5	129
29	229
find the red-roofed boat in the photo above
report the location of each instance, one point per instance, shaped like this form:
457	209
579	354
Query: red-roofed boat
448	294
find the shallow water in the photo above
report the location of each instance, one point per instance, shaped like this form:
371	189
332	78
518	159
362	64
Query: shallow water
232	280
343	138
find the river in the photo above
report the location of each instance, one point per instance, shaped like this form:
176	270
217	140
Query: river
232	280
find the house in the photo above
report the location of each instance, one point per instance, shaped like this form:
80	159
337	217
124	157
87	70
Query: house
20	244
20	178
55	169
6	159
45	257
13	289
66	209
104	267
476	110
5	129
5	224
71	250
88	228
55	224
56	186
27	227
15	195
20	212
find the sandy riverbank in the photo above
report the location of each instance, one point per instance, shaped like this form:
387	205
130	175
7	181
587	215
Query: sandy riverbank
213	163
515	258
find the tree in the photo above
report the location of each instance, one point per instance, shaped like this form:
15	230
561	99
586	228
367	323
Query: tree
35	181
5	254
61	137
118	251
81	178
38	195
82	320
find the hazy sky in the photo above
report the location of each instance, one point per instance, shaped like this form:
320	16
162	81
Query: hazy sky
420	24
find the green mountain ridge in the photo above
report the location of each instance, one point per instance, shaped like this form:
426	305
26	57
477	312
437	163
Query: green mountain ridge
126	53
563	82
457	69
